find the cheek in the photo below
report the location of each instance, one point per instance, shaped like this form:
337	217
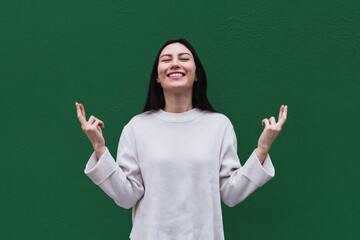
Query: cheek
161	70
191	68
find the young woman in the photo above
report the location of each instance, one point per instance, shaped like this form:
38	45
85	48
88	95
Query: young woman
178	159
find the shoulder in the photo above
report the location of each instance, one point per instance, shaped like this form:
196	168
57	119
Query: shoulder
141	117
139	120
217	117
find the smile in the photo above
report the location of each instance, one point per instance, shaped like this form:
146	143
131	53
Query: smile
176	75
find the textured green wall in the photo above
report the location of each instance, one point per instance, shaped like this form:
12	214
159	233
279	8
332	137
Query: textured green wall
257	54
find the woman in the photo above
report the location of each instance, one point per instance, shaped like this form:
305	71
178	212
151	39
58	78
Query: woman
178	159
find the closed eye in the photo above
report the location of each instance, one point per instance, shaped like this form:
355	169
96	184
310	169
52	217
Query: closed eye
182	59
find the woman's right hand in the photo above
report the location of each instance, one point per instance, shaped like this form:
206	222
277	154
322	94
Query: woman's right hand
92	129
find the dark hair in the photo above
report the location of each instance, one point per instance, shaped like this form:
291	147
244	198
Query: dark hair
155	97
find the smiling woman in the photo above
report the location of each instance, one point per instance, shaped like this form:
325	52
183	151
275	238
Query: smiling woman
176	71
177	160
180	93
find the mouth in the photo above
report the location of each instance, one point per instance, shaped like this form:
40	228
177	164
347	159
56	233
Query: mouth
176	75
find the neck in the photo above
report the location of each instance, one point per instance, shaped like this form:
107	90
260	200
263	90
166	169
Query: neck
178	102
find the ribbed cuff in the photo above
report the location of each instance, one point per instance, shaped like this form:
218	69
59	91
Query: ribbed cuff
99	170
257	173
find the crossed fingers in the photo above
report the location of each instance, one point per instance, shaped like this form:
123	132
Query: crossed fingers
272	124
93	122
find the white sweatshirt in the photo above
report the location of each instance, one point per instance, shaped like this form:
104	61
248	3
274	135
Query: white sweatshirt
174	169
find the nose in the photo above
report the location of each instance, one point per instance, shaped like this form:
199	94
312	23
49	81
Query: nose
175	63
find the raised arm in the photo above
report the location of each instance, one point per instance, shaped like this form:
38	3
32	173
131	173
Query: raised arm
120	180
238	182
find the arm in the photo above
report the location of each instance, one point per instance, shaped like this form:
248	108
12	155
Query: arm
238	182
122	180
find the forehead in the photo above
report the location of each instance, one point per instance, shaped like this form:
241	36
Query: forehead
175	48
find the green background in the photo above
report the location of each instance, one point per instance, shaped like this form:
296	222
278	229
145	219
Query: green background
257	56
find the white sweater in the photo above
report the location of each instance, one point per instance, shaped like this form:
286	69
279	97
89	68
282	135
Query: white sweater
174	169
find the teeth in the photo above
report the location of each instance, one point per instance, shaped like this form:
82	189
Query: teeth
176	75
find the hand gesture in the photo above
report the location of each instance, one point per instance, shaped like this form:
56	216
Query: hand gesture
91	128
272	129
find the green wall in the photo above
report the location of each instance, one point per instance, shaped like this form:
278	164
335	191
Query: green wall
257	55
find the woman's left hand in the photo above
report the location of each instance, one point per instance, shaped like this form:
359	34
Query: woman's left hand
272	129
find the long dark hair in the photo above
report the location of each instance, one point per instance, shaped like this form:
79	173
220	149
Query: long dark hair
155	97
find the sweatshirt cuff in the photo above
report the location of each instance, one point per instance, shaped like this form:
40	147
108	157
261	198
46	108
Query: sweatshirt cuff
257	173
99	170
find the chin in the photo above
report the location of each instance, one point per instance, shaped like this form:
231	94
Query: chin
178	89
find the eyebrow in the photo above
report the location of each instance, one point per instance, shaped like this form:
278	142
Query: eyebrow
169	55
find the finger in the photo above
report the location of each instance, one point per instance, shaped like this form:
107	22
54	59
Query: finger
82	111
281	112
91	120
265	122
272	121
98	123
101	123
283	117
82	120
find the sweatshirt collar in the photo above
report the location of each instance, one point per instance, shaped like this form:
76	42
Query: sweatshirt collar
178	117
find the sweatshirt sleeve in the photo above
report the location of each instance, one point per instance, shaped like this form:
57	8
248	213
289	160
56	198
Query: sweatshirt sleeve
121	180
236	181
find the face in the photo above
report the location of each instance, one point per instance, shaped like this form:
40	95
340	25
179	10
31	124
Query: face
176	68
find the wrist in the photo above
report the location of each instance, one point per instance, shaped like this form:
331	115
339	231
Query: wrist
99	151
101	148
261	154
262	149
98	146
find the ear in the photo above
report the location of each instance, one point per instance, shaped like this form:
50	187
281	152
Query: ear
196	78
